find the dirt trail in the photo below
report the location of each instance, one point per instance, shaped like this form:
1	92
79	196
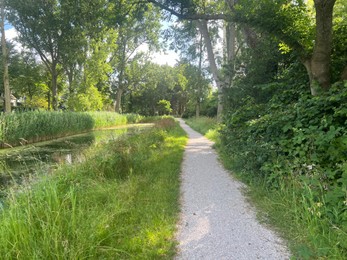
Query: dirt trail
216	220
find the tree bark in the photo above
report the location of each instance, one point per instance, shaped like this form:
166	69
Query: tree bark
54	87
318	65
344	74
202	25
7	91
117	105
197	111
199	86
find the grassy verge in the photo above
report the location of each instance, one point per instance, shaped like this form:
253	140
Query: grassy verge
290	208
122	203
28	127
205	125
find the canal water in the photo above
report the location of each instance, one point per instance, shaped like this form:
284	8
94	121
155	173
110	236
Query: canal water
19	163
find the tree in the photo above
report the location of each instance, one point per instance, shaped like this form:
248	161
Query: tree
290	21
310	37
90	91
136	27
29	80
7	91
202	12
48	27
197	85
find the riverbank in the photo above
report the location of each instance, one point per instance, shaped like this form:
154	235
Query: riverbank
37	126
120	203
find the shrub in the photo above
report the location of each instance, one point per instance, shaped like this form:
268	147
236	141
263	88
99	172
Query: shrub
299	144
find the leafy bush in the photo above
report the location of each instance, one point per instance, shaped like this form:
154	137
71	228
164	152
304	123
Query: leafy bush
297	142
164	107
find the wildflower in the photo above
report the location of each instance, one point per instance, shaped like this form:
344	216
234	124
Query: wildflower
319	204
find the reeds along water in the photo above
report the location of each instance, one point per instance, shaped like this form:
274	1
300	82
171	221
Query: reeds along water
35	126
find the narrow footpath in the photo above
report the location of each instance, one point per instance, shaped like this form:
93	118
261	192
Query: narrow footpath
216	220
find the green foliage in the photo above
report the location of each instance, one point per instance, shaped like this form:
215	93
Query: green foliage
89	100
289	21
298	143
21	128
164	107
122	203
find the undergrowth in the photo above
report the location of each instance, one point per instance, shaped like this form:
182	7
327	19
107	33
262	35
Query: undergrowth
122	203
292	150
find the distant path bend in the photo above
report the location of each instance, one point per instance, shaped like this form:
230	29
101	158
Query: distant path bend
216	221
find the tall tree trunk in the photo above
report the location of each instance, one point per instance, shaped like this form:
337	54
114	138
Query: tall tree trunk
49	100
202	25
318	65
230	42
197	107
54	87
7	91
117	105
197	111
70	73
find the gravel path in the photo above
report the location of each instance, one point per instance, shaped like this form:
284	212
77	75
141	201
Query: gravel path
216	221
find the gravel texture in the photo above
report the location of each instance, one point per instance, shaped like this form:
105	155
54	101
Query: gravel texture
216	220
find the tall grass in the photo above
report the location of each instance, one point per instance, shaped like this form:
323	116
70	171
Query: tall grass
207	126
17	128
122	203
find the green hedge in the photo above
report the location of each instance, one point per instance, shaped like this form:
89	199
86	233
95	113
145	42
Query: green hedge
27	127
297	144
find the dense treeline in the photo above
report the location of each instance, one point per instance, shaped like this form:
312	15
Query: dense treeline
79	56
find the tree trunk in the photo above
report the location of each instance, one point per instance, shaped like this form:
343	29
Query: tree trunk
197	111
7	91
230	42
318	65
54	87
49	100
117	106
344	74
202	25
70	73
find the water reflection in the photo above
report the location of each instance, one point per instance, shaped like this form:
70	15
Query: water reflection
19	163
